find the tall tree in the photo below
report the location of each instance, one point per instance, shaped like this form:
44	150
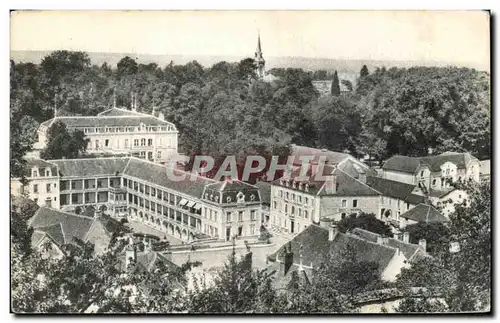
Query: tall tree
364	71
64	144
335	85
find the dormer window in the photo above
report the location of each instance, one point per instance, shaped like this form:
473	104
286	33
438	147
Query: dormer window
307	187
47	172
34	172
241	197
228	199
252	197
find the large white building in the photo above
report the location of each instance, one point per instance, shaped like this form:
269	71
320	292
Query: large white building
121	131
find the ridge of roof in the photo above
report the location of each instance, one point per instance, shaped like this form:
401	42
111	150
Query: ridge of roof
361	182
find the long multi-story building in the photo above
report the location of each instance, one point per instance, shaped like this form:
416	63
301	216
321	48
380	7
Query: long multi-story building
191	208
121	131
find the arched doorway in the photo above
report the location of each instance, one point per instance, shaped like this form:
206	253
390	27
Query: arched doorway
184	235
177	232
191	236
141	216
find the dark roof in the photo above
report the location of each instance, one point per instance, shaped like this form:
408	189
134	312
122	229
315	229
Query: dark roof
70	225
111	121
347	185
316	247
147	260
415	199
157	174
424	213
115	112
390	188
407	249
41	165
403	164
439	193
91	166
411	164
265	191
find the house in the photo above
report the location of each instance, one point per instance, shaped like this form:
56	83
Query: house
422	213
121	131
43	183
445	201
397	197
145	191
485	170
298	203
53	228
312	247
433	172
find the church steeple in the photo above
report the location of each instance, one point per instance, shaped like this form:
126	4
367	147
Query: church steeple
259	59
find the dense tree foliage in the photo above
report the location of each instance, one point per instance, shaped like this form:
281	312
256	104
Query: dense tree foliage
63	143
461	279
335	85
365	221
436	235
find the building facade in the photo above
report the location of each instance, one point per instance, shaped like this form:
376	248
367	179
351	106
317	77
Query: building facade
121	131
189	209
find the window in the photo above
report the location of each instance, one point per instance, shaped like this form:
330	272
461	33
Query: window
281	193
407	206
293	210
35	188
34	173
252	215
97	144
293	197
106	143
342	215
36	200
252	229
143	142
48	188
47	172
228	217
136	142
158	154
300	212
300	198
275	206
126	143
307	200
143	154
434	182
286	208
422	174
287	195
354	203
150	142
344	203
240	215
306	215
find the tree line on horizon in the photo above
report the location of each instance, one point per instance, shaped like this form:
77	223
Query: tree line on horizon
225	110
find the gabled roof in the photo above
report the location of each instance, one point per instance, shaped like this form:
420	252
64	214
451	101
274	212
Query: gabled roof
415	199
390	188
411	164
424	213
316	248
148	260
409	250
91	166
41	165
61	226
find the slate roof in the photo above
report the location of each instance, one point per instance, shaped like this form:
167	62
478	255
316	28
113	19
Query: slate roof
390	188
411	164
147	260
409	250
424	213
63	227
265	191
157	174
91	166
41	165
316	248
108	121
415	199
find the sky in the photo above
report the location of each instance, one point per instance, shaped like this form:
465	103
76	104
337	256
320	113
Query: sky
446	36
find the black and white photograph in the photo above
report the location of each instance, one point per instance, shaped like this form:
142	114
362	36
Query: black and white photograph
278	162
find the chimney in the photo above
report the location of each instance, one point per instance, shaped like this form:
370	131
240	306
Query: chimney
380	240
423	243
330	185
333	230
406	237
362	177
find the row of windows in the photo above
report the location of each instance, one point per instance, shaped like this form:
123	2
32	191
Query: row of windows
36	173
354	203
127	129
48	188
293	211
143	142
388	200
230	216
294	198
210	214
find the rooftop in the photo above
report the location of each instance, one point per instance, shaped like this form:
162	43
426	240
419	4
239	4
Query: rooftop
424	213
411	164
